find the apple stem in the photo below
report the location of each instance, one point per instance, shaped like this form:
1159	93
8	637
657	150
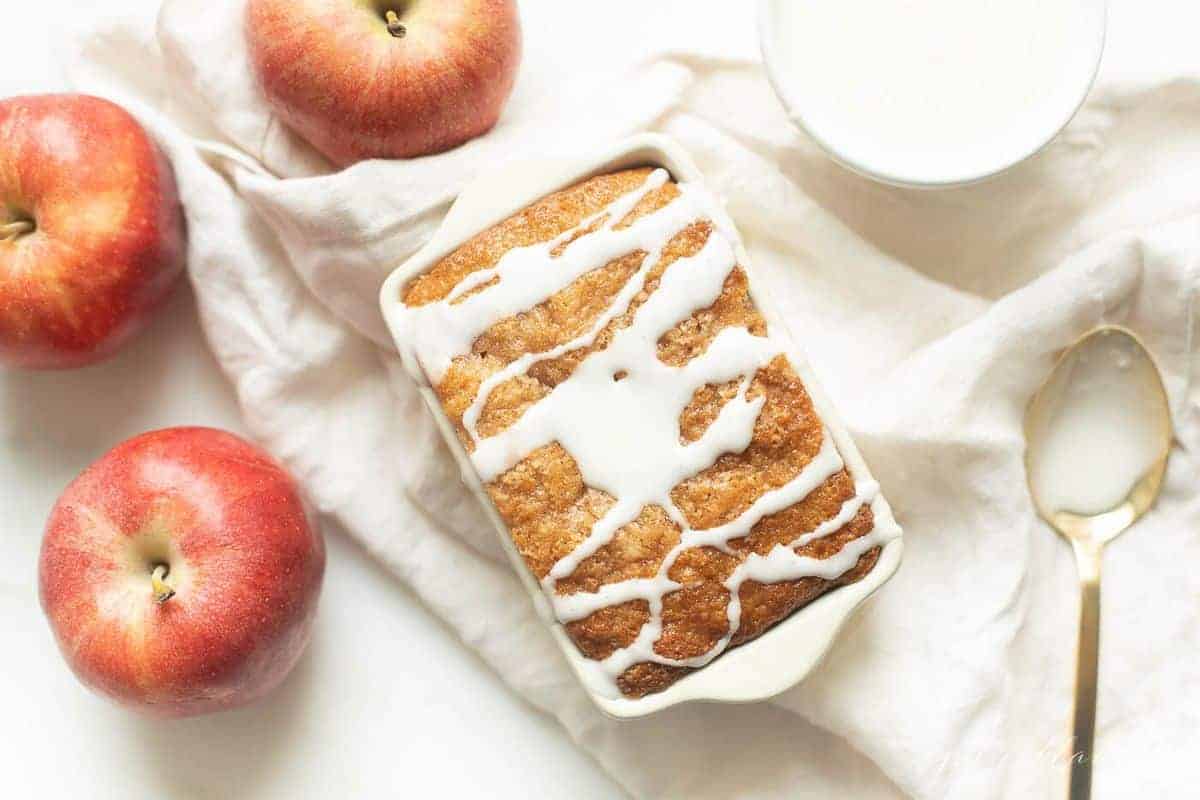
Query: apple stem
15	230
394	25
162	590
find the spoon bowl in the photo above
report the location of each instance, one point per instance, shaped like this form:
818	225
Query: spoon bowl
1098	436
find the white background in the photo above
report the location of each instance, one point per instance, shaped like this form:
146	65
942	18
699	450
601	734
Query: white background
385	703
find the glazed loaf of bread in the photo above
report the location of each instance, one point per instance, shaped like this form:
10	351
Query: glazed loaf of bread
639	428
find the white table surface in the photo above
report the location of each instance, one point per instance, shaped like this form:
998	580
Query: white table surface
385	703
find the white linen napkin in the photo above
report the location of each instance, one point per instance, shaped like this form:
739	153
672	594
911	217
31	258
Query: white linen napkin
931	318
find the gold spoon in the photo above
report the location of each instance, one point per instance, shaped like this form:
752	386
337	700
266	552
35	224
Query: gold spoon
1098	434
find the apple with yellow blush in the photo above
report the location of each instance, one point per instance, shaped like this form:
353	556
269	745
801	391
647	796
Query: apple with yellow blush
362	79
180	573
91	230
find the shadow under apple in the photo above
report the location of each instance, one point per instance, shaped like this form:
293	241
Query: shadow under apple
60	421
231	754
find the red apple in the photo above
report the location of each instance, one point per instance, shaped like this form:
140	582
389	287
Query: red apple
180	573
362	79
91	231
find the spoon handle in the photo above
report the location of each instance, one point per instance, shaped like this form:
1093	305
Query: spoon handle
1087	556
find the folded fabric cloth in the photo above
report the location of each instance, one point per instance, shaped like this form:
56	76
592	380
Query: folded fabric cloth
930	316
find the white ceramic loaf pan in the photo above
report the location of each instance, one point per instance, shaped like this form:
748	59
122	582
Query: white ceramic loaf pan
782	656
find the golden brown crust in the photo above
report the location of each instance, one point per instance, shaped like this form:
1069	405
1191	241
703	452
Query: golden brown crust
600	634
547	507
544	501
540	222
636	551
787	435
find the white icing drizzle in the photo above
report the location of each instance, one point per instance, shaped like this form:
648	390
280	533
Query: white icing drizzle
642	458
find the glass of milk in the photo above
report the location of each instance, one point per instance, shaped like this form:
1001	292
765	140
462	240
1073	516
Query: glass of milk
930	93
